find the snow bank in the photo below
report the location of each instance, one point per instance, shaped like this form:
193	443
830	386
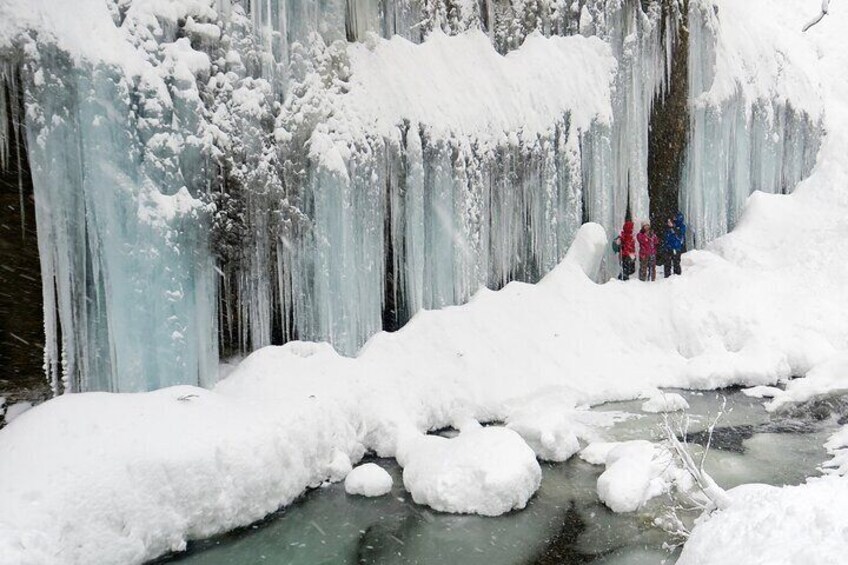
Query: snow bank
486	471
775	526
130	476
805	523
825	379
368	480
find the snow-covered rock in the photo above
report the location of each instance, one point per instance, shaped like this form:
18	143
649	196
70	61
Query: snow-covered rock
665	402
486	471
368	479
636	471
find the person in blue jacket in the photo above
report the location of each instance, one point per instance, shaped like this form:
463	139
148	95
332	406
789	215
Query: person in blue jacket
674	241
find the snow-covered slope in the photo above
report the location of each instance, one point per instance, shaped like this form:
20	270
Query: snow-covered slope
806	523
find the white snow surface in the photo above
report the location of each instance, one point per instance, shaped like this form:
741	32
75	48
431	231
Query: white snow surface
487	471
122	478
15	410
636	472
766	58
368	480
665	402
806	523
797	525
462	86
824	379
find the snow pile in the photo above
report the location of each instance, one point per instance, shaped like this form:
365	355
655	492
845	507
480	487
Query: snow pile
665	402
636	472
486	471
588	249
368	480
550	434
767	525
553	422
825	379
161	468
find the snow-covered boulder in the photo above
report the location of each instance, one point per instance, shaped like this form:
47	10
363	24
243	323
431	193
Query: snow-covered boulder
636	472
665	402
487	471
368	479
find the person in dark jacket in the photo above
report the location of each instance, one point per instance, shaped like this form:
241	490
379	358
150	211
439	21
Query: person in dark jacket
648	242
627	250
674	242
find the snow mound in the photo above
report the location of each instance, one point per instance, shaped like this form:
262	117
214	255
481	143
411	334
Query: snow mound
551	423
550	435
588	249
828	378
368	480
665	402
636	472
487	471
767	525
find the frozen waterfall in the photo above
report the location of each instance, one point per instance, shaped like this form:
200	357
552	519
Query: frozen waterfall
235	174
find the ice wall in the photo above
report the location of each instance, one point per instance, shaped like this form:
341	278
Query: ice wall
211	173
755	116
422	173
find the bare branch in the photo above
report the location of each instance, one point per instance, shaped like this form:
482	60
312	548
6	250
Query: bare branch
708	487
820	17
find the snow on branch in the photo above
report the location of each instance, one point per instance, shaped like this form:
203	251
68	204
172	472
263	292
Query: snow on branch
707	496
820	17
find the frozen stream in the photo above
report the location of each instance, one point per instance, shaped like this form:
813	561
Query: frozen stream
564	523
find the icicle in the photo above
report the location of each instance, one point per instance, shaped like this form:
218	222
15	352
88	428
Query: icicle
5	85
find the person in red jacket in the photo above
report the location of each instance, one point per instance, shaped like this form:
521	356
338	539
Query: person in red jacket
648	242
627	250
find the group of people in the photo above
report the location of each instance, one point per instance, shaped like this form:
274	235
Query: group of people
670	248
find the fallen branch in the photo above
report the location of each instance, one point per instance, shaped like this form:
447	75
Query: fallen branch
820	17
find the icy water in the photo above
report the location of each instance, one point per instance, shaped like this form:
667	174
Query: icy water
564	523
